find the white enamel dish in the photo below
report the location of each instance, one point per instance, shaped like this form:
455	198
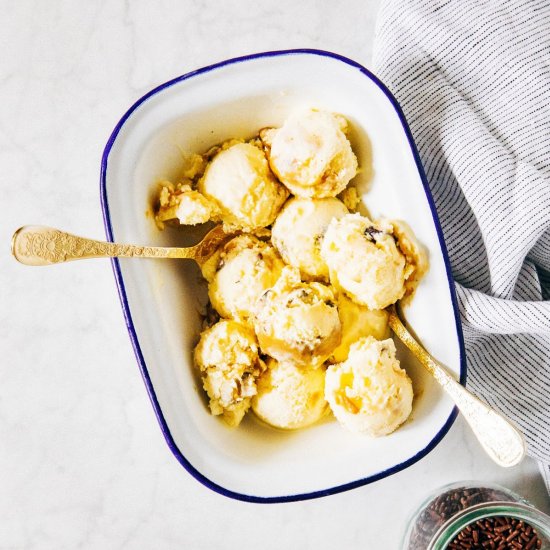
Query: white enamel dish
161	299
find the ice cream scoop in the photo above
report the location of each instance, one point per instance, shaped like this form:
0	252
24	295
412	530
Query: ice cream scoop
184	204
311	153
299	230
297	321
364	260
246	268
369	392
240	183
227	356
290	396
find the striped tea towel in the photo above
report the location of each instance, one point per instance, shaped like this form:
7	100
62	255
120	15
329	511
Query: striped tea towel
473	79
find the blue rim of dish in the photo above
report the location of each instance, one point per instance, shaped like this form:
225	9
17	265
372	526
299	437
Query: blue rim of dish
130	325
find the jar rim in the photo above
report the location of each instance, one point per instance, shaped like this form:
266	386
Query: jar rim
453	526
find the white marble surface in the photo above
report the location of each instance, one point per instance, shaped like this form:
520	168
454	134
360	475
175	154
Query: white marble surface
83	463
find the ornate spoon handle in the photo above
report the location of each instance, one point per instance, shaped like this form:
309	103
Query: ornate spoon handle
40	245
502	441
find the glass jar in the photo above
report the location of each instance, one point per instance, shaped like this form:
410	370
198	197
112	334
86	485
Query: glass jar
471	512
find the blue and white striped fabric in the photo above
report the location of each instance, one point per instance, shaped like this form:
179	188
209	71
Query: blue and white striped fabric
473	79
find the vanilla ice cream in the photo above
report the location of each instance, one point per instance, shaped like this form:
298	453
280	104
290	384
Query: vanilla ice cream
182	203
290	396
227	356
301	283
357	322
364	260
299	229
296	321
369	392
246	268
311	153
239	182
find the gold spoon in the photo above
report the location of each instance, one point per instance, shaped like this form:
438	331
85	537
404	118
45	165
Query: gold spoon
502	441
41	245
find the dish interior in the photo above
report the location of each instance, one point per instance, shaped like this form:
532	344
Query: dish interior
165	297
